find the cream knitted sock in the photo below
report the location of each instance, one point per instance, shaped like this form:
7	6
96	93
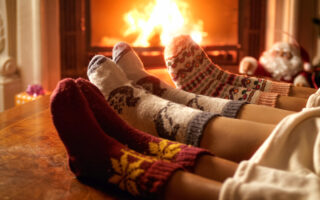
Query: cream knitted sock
183	55
192	70
133	67
143	110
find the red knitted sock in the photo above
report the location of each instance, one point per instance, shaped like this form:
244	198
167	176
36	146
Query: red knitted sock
193	71
95	155
137	140
189	65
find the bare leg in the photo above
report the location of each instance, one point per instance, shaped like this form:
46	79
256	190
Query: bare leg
301	92
262	114
215	168
234	139
187	186
291	103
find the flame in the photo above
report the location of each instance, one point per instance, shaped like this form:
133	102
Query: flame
160	21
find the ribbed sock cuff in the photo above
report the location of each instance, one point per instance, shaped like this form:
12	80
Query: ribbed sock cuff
188	156
196	127
267	99
280	88
158	174
231	109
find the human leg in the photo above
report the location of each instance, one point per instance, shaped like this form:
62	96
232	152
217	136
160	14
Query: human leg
189	186
262	114
234	139
291	103
301	92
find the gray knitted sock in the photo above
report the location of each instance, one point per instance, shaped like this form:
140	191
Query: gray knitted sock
146	111
133	67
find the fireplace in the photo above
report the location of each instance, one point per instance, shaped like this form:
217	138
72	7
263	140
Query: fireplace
228	29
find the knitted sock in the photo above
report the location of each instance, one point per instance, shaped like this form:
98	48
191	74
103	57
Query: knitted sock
137	140
184	54
143	110
95	155
131	64
192	70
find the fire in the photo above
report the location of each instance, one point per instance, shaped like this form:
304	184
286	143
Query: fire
160	21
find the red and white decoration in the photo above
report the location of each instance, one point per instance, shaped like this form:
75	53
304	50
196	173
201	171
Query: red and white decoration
282	62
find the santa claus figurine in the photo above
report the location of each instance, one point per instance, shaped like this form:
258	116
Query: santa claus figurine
283	62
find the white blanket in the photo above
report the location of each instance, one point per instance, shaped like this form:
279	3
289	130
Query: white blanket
286	166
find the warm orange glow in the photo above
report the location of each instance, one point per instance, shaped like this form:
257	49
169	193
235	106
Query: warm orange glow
162	74
160	21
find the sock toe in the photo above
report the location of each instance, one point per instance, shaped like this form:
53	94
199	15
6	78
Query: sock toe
106	74
119	50
176	45
62	90
83	84
95	62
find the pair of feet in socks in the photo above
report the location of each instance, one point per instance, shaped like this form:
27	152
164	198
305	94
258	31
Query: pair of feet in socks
83	119
192	71
102	147
194	74
160	116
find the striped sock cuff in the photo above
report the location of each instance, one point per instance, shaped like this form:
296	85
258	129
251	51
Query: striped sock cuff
158	174
232	108
188	156
196	127
280	88
267	99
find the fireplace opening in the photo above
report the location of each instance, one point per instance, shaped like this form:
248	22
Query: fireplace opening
149	25
227	30
145	23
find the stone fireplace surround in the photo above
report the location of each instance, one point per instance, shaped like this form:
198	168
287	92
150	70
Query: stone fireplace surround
30	40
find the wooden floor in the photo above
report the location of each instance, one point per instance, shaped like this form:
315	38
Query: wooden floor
33	161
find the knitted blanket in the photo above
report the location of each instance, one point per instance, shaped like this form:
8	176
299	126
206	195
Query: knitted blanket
286	166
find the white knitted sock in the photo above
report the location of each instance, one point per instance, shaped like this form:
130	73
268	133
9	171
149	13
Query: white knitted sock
133	67
143	110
